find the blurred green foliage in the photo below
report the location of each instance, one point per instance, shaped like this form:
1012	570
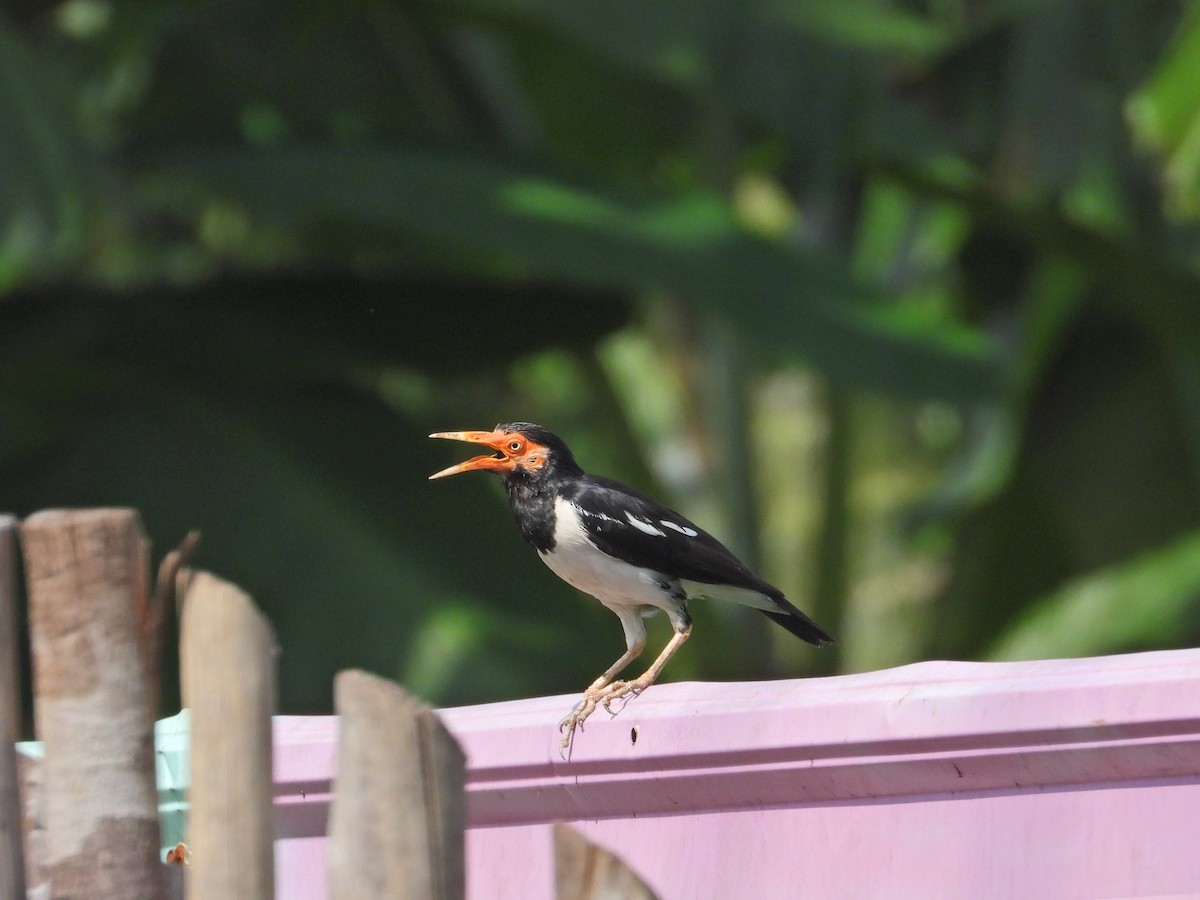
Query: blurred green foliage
901	297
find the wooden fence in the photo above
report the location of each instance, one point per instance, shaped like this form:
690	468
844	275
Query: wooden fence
88	821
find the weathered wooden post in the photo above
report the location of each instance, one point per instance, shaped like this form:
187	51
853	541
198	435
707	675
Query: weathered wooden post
228	658
399	814
86	572
12	869
586	871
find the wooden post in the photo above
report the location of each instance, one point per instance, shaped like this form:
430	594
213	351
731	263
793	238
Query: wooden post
12	870
85	570
398	818
37	878
586	871
228	656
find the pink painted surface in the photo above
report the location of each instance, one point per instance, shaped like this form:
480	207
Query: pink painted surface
1056	778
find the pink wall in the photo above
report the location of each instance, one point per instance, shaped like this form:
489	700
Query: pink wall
1059	778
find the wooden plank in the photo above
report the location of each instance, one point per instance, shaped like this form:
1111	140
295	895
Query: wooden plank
85	571
586	871
398	817
12	868
228	659
37	879
929	777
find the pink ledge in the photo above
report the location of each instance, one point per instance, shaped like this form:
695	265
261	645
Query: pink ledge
1055	778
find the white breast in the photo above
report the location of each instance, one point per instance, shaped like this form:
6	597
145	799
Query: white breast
578	562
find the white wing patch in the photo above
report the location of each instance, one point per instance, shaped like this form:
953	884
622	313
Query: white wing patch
643	526
690	532
596	515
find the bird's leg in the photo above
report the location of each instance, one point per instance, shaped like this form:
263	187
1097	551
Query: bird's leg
621	689
635	643
630	654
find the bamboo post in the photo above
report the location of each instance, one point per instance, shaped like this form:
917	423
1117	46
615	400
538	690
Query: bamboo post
586	871
396	829
85	571
12	869
227	656
152	612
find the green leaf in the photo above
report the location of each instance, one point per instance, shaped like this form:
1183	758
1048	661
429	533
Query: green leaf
669	40
1150	601
1165	117
865	24
690	244
47	177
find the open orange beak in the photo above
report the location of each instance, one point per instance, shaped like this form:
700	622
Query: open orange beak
500	461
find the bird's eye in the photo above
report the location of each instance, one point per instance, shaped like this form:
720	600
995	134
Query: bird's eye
514	446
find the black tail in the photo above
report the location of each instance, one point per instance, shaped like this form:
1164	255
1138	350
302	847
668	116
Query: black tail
799	624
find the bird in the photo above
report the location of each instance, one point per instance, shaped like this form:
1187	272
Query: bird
634	555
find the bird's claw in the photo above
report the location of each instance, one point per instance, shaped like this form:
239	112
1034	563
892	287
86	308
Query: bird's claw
578	716
620	690
592	698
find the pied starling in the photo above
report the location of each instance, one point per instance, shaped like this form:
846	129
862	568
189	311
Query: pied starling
630	553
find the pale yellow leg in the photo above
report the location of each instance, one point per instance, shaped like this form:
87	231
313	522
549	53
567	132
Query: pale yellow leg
620	689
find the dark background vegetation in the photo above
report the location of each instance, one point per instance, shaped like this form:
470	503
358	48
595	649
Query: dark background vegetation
900	297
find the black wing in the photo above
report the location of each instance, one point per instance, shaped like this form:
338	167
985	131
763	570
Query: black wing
632	527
